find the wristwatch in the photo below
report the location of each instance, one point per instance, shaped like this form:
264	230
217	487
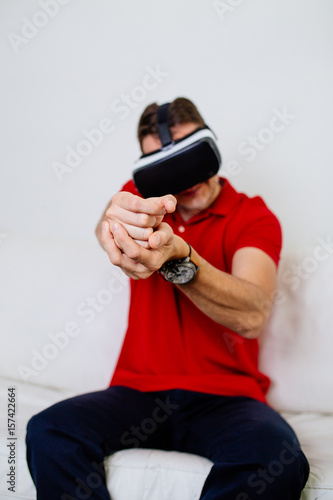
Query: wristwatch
179	271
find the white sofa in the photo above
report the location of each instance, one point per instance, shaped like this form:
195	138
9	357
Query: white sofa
63	319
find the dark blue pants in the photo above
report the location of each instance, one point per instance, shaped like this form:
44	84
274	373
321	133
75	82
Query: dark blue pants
255	452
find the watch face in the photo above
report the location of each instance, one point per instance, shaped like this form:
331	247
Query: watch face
181	274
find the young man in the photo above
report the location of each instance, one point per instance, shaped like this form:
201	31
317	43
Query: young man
202	263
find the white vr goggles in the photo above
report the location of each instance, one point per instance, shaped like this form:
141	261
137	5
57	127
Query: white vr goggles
178	165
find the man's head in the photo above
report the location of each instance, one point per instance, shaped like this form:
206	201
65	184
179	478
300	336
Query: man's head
183	119
180	111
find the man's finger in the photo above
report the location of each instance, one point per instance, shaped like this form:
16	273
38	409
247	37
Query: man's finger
125	243
159	219
138	233
109	245
139	219
142	243
161	236
148	259
117	257
134	203
169	202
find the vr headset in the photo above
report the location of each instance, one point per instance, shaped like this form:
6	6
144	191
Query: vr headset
178	165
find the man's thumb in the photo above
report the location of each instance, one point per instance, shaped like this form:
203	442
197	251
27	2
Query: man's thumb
169	202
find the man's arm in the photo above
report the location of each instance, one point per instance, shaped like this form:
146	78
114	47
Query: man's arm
240	301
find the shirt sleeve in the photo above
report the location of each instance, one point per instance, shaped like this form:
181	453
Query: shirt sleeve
255	225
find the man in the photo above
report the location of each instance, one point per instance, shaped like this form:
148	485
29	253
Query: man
202	262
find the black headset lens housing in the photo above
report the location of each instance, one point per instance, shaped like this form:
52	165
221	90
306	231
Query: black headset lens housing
178	165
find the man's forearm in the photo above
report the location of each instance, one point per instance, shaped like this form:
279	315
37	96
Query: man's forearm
230	301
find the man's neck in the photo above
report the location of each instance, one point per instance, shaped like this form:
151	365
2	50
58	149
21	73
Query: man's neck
187	213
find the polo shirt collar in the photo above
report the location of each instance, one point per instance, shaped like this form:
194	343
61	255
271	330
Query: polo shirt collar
225	201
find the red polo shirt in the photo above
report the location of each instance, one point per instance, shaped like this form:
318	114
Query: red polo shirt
169	342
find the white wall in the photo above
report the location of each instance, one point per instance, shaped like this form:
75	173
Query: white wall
238	60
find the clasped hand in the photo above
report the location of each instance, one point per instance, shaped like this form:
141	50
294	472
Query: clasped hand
134	235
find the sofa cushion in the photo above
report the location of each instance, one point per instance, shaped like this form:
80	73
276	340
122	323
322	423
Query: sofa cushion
315	433
153	474
156	475
297	343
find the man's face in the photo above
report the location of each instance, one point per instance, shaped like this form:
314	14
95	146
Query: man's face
198	197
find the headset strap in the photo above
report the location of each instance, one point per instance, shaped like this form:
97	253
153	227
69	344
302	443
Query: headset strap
163	126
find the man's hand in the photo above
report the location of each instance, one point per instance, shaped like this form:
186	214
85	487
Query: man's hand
138	262
139	216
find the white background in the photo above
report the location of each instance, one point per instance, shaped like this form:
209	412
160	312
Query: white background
238	62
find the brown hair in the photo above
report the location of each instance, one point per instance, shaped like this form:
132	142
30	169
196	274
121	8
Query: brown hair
181	110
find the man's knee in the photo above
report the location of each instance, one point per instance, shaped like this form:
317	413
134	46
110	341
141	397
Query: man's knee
49	422
38	427
286	471
36	423
37	441
292	465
